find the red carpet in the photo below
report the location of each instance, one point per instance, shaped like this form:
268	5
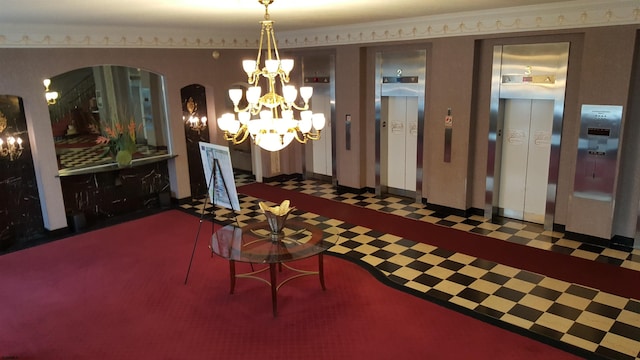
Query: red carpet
119	293
606	277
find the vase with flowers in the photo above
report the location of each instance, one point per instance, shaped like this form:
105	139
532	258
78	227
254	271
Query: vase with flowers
120	141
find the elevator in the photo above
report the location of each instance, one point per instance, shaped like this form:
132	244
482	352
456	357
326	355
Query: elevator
319	73
400	102
527	107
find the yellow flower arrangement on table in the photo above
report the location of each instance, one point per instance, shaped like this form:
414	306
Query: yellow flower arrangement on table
276	215
120	141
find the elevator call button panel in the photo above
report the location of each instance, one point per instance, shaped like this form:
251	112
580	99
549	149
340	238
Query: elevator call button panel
596	163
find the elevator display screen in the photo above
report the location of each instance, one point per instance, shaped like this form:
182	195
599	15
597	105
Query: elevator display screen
400	79
599	131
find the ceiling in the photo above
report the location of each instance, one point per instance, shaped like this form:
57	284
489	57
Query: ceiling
221	22
233	14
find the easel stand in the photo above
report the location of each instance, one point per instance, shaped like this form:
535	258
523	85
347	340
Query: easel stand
213	181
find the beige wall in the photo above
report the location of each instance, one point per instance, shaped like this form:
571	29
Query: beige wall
458	77
350	168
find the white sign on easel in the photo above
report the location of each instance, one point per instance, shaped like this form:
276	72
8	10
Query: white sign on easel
218	158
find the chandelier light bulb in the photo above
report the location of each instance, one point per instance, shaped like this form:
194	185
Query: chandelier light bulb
266	115
254	127
286	65
244	117
306	115
249	66
235	95
290	93
234	126
319	121
228	121
304	125
306	92
253	94
287	114
272	66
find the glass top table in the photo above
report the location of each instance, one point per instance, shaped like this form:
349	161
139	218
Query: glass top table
256	244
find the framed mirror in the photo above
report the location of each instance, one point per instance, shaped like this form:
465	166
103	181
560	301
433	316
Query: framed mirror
108	116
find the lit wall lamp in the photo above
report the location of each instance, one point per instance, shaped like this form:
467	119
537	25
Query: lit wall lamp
11	146
196	123
51	96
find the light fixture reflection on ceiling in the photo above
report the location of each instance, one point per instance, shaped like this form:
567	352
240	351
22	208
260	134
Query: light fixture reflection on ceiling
196	123
51	96
276	126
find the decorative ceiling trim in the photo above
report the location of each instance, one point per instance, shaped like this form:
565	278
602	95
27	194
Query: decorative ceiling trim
569	15
553	16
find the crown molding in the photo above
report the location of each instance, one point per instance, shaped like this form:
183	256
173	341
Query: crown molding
553	16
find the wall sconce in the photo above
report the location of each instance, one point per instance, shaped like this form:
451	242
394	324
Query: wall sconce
11	146
196	123
51	96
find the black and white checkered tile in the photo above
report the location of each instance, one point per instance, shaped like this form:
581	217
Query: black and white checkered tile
533	235
94	155
591	322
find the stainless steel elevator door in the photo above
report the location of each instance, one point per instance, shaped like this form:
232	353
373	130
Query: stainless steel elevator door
322	159
400	122
526	149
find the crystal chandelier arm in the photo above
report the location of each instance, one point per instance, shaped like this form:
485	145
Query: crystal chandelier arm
312	135
300	108
238	137
247	108
300	137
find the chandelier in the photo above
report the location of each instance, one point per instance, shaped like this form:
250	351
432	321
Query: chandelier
196	123
275	126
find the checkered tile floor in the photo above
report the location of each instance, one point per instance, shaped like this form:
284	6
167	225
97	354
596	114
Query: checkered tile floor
78	157
583	320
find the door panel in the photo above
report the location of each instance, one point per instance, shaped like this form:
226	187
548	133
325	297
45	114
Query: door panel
411	141
538	160
322	148
517	114
401	141
526	147
397	129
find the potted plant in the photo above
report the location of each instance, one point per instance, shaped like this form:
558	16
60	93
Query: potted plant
120	141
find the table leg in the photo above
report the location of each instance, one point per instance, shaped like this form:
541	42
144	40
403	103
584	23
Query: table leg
232	272
274	290
321	271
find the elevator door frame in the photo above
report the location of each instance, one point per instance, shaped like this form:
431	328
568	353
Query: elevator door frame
400	63
507	60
